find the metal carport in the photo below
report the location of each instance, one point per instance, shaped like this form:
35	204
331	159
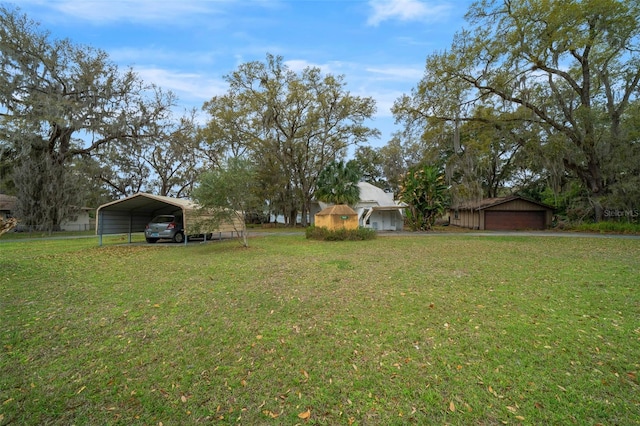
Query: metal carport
132	214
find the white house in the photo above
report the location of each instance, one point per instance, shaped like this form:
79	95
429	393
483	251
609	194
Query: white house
376	209
79	220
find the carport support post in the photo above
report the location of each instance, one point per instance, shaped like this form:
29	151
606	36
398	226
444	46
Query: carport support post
130	226
100	226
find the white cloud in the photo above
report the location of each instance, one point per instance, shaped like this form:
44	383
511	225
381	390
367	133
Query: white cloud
192	88
398	73
298	65
101	11
404	10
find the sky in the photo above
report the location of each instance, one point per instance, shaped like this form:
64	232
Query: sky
188	46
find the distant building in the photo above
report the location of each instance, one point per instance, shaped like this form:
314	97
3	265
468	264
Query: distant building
78	220
504	213
376	209
7	206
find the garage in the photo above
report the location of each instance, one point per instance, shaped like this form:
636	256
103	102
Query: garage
502	214
132	214
499	220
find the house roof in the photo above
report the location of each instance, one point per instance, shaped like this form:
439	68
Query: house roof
7	202
485	203
338	209
372	194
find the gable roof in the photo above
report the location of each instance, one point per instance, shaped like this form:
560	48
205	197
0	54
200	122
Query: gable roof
485	203
145	201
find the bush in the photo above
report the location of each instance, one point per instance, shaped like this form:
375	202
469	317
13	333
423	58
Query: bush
325	234
606	227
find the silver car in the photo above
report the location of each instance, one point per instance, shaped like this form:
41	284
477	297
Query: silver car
165	227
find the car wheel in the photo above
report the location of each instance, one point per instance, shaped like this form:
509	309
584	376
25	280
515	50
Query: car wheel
152	240
178	237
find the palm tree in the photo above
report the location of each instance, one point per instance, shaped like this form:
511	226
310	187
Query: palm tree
338	184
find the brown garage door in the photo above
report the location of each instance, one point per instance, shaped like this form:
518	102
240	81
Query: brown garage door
511	220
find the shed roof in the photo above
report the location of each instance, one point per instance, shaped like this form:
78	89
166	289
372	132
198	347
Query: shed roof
338	209
485	203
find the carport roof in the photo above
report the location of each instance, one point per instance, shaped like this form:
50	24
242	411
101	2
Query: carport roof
144	203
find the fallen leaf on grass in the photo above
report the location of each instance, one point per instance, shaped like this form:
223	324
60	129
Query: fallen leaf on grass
305	414
183	398
452	407
271	414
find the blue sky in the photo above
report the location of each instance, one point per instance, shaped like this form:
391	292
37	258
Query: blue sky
187	46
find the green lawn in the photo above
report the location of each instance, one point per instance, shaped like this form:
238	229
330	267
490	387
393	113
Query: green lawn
446	329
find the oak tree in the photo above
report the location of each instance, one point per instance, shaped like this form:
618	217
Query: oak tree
292	125
570	70
60	101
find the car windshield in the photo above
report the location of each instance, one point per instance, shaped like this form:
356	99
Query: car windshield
162	219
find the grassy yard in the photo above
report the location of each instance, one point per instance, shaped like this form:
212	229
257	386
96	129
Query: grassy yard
446	329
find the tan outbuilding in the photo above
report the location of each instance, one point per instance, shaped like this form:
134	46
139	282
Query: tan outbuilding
339	216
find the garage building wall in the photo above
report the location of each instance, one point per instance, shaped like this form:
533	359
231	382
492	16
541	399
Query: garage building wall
518	205
514	213
466	218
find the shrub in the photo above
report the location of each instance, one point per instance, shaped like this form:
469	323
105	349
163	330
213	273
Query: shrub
324	234
607	227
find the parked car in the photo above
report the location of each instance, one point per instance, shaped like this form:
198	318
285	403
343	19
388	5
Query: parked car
165	227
